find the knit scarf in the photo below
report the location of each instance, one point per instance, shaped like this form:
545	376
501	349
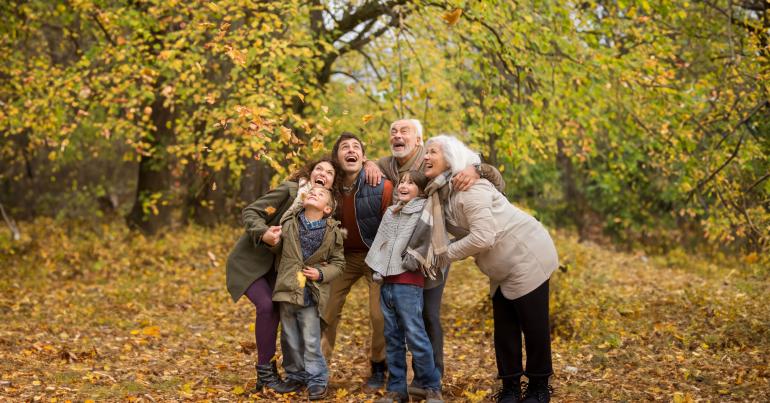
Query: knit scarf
428	245
303	186
393	172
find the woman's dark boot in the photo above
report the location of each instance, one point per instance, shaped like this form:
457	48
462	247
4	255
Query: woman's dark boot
267	376
538	390
510	392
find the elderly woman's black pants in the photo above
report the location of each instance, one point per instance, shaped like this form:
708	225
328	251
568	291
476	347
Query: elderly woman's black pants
527	315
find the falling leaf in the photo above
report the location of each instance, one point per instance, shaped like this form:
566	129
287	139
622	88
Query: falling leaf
270	210
213	186
301	97
301	279
367	118
451	18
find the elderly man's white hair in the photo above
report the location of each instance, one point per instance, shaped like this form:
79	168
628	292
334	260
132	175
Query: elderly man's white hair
457	155
417	128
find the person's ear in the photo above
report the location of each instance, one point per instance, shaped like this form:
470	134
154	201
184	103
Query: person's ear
327	210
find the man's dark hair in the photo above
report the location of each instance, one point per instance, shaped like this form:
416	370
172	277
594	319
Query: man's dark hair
345	136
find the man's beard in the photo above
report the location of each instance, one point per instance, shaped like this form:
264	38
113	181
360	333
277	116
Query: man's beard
404	153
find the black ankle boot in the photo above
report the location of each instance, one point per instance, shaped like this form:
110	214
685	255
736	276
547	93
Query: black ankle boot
510	392
267	376
379	375
538	390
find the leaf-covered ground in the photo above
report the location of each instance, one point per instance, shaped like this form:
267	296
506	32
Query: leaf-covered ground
98	313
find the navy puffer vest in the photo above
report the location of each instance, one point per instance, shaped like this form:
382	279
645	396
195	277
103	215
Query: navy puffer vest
368	208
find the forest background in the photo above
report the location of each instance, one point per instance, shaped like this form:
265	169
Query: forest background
641	126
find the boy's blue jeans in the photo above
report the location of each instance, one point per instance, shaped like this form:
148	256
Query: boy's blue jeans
402	309
301	341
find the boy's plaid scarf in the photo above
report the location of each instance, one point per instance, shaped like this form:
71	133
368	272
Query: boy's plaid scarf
427	248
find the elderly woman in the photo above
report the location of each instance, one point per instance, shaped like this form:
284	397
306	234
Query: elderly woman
513	249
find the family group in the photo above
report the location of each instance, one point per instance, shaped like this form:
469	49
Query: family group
398	223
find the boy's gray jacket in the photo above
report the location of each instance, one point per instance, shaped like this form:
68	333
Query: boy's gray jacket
329	259
384	255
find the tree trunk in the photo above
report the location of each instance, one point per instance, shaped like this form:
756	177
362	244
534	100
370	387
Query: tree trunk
207	203
255	181
577	206
152	208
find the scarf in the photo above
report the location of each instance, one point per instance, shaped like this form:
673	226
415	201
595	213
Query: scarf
393	172
303	186
429	243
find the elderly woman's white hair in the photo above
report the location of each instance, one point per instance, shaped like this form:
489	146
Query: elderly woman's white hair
457	155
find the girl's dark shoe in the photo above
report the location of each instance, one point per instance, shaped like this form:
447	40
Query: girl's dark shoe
378	378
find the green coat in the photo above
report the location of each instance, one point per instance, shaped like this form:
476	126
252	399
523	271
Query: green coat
251	259
328	259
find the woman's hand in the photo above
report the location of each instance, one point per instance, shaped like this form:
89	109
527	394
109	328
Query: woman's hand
272	235
311	273
465	178
372	173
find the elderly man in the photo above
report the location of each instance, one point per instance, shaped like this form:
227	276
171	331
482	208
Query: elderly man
406	146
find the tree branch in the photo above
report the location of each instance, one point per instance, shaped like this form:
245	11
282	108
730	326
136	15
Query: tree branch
104	30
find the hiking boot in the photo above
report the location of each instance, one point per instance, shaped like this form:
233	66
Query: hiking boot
392	397
509	393
288	386
537	391
316	392
433	396
377	379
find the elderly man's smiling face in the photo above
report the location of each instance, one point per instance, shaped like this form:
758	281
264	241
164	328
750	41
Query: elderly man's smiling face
403	138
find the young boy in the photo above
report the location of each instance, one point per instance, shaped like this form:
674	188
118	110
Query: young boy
401	294
310	256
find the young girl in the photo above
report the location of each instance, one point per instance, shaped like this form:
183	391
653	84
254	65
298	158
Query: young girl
401	294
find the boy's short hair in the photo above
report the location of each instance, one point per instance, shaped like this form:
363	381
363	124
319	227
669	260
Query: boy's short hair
332	199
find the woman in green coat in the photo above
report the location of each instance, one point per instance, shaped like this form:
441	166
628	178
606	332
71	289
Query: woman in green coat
250	268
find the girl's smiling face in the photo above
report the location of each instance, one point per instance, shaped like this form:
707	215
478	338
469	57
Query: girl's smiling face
407	189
